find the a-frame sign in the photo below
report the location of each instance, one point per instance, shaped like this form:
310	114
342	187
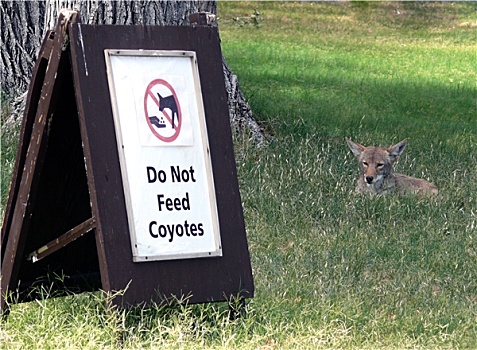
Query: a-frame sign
125	176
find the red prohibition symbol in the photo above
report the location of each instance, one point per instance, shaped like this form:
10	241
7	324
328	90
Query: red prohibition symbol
162	110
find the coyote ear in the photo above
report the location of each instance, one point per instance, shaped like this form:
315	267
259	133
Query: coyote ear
396	150
356	148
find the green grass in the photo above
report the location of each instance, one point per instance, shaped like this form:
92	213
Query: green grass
8	150
332	269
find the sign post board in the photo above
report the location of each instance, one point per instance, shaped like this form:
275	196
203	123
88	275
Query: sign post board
127	179
164	154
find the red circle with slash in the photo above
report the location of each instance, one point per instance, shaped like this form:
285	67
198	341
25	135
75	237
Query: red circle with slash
151	101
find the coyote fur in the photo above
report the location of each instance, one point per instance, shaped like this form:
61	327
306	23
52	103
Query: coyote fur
376	172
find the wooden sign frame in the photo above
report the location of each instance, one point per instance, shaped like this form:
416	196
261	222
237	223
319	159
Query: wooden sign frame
65	222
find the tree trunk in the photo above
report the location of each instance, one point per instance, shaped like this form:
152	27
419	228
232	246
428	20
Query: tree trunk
24	24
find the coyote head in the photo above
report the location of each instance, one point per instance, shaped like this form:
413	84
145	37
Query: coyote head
375	163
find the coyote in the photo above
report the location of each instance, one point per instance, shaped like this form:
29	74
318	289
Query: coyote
376	173
168	102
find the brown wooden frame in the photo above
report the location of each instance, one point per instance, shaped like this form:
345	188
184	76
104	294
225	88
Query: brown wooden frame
67	178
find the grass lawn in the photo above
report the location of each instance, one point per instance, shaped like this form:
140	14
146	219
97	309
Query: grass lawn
332	269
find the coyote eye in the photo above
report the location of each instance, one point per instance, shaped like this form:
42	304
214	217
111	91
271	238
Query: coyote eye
380	165
365	163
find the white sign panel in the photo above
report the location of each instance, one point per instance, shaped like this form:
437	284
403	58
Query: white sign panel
164	154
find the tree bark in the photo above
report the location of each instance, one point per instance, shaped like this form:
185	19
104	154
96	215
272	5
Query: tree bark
24	24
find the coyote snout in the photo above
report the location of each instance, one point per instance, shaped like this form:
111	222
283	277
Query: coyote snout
376	172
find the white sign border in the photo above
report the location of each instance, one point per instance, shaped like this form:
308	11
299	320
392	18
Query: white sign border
205	149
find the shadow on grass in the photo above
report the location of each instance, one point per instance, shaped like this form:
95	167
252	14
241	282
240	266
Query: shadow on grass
348	107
